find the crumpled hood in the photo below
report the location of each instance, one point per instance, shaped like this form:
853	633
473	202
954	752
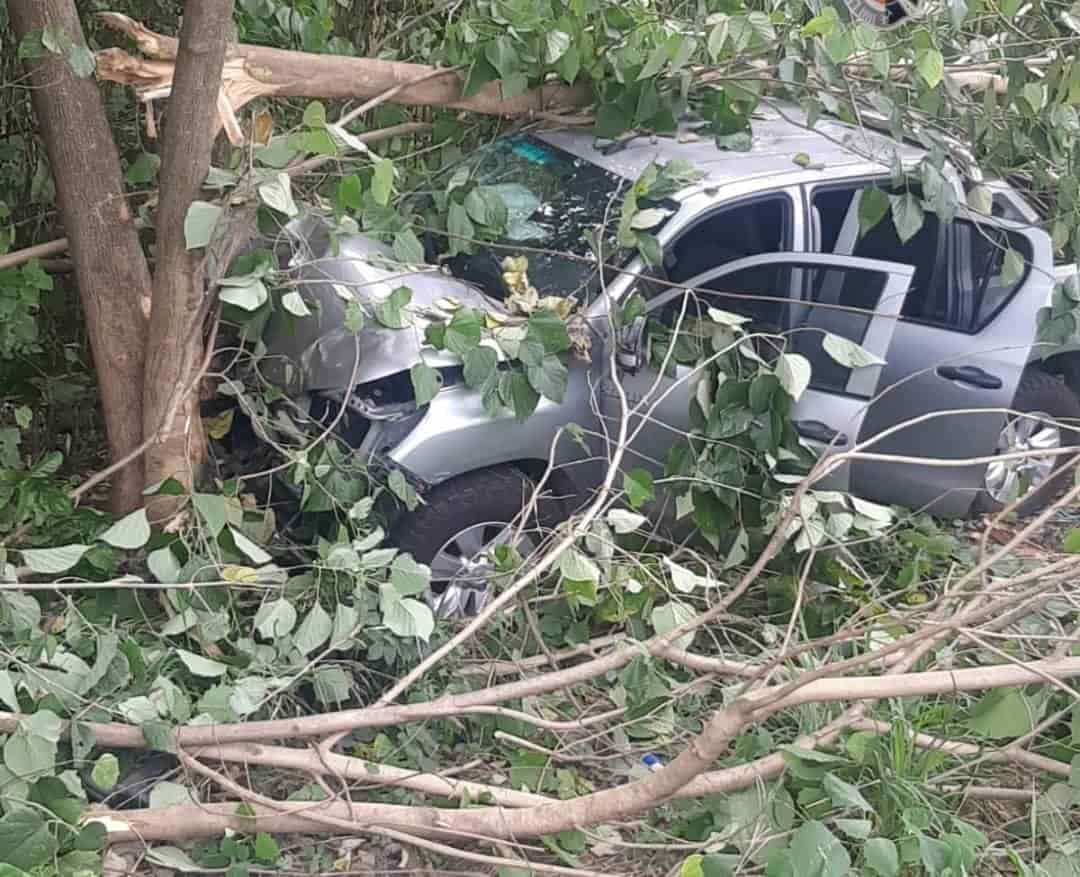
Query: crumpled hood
317	352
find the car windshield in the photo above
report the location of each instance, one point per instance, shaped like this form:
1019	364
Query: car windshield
555	203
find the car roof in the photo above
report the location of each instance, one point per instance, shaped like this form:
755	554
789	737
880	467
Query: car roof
779	134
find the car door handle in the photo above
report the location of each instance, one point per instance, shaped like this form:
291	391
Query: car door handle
970	374
817	431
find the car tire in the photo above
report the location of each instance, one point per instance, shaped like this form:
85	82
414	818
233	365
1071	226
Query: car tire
1041	392
494	496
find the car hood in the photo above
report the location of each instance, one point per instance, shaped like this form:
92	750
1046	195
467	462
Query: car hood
317	352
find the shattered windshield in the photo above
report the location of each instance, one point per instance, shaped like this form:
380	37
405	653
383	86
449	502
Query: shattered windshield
554	203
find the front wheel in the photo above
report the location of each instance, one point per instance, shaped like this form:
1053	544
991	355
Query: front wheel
1046	420
458	531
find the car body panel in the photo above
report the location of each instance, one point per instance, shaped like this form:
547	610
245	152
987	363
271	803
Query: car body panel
453	434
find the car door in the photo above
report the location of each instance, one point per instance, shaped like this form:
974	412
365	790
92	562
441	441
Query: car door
961	345
799	295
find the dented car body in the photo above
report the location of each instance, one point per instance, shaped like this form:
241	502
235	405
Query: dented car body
766	233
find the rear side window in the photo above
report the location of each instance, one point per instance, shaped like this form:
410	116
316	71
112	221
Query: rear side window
962	277
982	270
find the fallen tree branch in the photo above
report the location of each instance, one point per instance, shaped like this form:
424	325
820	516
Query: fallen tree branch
253	72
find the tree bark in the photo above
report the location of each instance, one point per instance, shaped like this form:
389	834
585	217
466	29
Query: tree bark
110	266
259	71
175	336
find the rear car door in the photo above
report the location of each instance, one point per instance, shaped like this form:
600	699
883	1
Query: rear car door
960	346
801	295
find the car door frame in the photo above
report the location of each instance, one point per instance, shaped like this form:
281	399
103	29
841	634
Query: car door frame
911	386
840	413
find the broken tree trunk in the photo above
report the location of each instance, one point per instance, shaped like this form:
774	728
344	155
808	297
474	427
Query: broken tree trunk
175	336
251	72
111	269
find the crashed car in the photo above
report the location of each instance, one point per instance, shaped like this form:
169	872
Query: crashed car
945	311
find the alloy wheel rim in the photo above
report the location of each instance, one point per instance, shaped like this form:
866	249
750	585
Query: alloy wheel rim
1008	480
463	568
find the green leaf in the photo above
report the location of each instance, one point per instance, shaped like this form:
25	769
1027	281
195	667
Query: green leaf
106	772
649	247
166	793
817	852
277	195
7	691
31	750
404	616
556	42
550	378
844	795
460	228
314	630
881	857
670	616
481	364
130	532
793	372
1013	267
638	487
164	566
907	214
274	619
520	394
50	561
294	303
1072	542
931	66
400	487
332	685
426	382
213	511
576	567
200	666
873	205
254	553
266	849
248	293
848	353
409	577
623	521
315	115
382	181
391	310
407	247
856	829
25	839
1003	713
144	169
548	328
199	224
81	60
463	332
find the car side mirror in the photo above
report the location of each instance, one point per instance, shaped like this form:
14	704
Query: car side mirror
631	354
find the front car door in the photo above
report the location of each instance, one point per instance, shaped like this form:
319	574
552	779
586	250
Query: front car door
798	297
960	346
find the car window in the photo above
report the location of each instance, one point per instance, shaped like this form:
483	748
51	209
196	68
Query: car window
980	276
960	281
750	228
839	301
836	215
760	293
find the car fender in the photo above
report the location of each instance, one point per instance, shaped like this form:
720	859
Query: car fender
456	435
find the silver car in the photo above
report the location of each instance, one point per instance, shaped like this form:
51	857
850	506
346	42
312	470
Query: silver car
779	224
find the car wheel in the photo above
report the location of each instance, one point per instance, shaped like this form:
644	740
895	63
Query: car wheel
461	524
1049	413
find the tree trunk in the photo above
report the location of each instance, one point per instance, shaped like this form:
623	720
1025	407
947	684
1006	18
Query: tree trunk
175	336
111	268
